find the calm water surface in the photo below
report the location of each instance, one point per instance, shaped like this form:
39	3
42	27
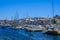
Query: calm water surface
8	34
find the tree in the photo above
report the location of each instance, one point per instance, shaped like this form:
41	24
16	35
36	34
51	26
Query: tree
54	21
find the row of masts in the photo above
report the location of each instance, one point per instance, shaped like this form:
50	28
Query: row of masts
49	28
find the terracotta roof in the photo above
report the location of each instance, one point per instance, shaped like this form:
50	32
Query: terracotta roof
46	19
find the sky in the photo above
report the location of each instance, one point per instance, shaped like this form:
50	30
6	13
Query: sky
28	8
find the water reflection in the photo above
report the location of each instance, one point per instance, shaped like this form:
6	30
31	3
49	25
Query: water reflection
8	34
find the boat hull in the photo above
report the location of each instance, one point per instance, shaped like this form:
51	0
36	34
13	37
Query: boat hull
52	33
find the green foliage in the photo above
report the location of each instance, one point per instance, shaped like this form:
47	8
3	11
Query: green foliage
54	21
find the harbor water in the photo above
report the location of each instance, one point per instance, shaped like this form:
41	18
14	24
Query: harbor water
8	34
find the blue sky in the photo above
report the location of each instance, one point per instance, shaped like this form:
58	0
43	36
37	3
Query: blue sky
34	8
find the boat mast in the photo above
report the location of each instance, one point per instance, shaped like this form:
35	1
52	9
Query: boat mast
28	15
53	8
28	18
16	18
53	12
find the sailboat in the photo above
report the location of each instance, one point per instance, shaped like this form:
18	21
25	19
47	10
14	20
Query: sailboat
5	24
54	28
16	24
